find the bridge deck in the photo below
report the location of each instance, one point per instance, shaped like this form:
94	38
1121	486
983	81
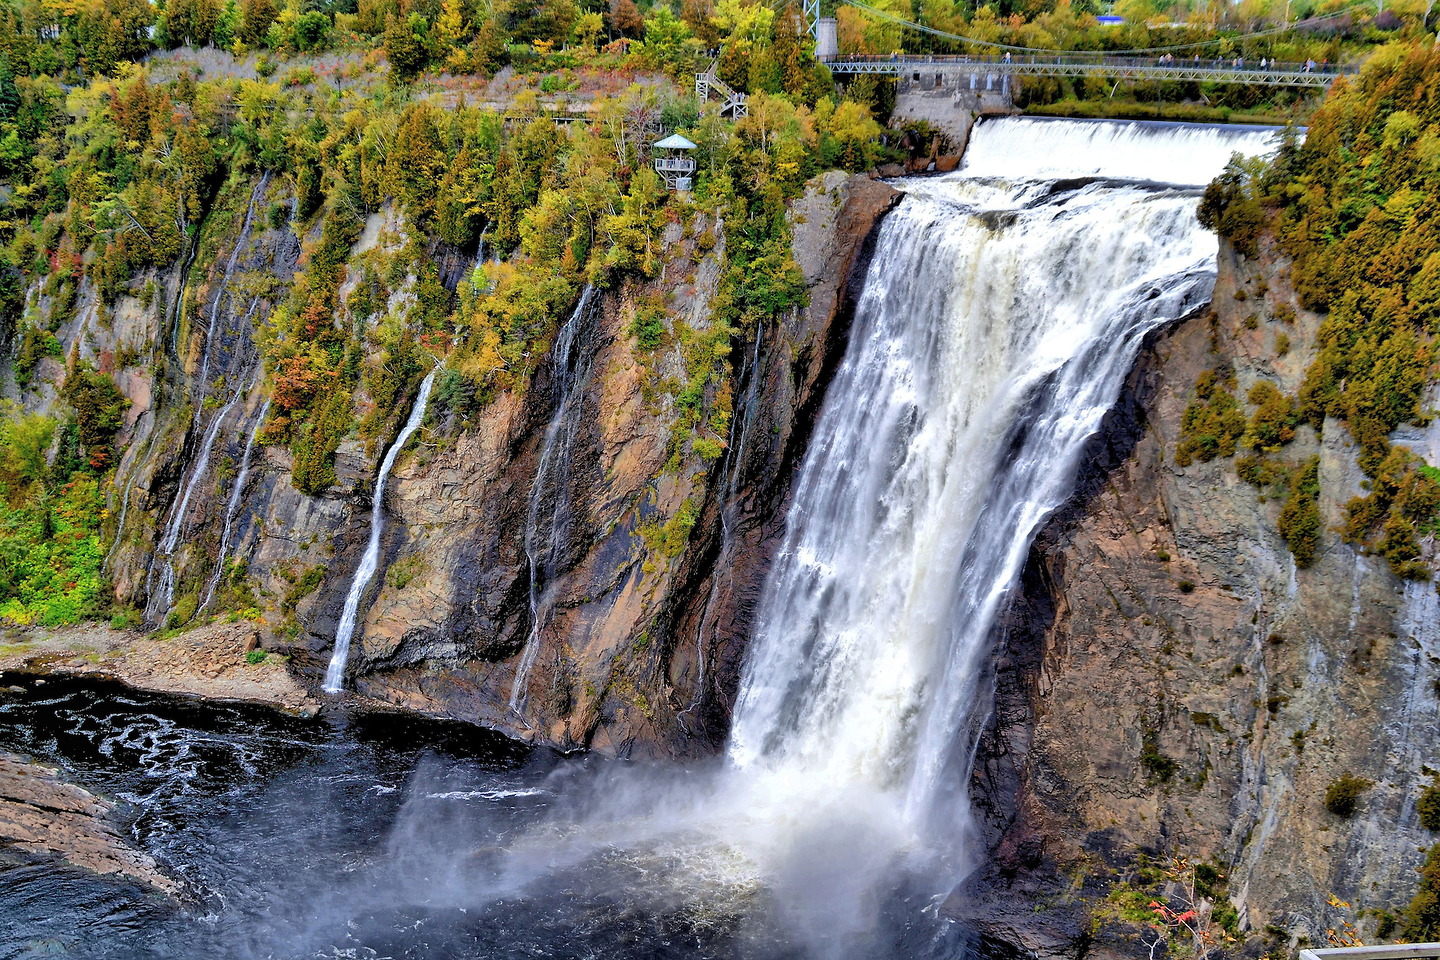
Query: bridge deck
1070	65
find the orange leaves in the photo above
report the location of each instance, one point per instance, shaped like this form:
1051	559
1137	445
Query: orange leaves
299	379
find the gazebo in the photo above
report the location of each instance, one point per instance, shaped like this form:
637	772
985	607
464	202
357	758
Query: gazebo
674	164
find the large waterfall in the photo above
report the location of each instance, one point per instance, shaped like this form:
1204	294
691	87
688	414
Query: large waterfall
998	320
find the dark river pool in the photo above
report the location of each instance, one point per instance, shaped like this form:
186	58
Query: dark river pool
370	836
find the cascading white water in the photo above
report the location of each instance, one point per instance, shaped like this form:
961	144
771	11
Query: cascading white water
1179	153
370	561
162	595
570	371
998	320
232	507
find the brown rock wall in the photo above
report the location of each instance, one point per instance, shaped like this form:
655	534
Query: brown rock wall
1171	684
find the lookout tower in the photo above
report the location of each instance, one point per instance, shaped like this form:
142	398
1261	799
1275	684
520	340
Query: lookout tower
675	165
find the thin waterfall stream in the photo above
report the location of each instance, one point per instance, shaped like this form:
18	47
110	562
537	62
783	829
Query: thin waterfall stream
232	507
160	586
570	372
370	560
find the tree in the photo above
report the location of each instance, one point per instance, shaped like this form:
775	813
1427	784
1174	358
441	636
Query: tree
790	56
587	31
625	19
405	45
227	25
255	19
310	30
668	45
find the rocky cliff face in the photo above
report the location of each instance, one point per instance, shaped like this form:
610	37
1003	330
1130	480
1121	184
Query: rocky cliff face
1171	684
623	583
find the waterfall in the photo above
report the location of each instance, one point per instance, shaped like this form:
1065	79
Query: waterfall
1000	315
1174	153
162	596
569	372
349	617
232	508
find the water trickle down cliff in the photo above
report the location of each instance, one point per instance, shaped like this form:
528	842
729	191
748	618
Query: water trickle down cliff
227	344
370	559
191	415
549	509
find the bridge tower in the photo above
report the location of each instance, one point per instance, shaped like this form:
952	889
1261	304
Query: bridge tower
823	29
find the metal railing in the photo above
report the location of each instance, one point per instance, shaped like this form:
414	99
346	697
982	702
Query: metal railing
1221	69
674	165
1388	951
731	100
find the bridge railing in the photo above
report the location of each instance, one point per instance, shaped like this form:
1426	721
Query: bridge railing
1083	59
1388	951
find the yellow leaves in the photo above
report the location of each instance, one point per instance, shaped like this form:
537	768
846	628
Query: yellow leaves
257	100
745	22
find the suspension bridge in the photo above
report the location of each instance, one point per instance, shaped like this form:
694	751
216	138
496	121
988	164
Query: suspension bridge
991	68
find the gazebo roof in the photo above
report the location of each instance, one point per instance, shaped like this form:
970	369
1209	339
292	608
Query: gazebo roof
675	142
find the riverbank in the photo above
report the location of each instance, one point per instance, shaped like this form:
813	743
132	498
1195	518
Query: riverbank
42	814
222	662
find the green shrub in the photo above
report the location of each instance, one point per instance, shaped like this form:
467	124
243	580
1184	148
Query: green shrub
255	657
1300	522
1158	767
1428	807
1342	797
1213	422
1272	425
1422	916
707	449
99	411
648	325
302	586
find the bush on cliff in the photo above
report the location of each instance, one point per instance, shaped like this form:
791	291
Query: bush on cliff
1428	807
1342	796
1422	917
1213	422
1300	522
